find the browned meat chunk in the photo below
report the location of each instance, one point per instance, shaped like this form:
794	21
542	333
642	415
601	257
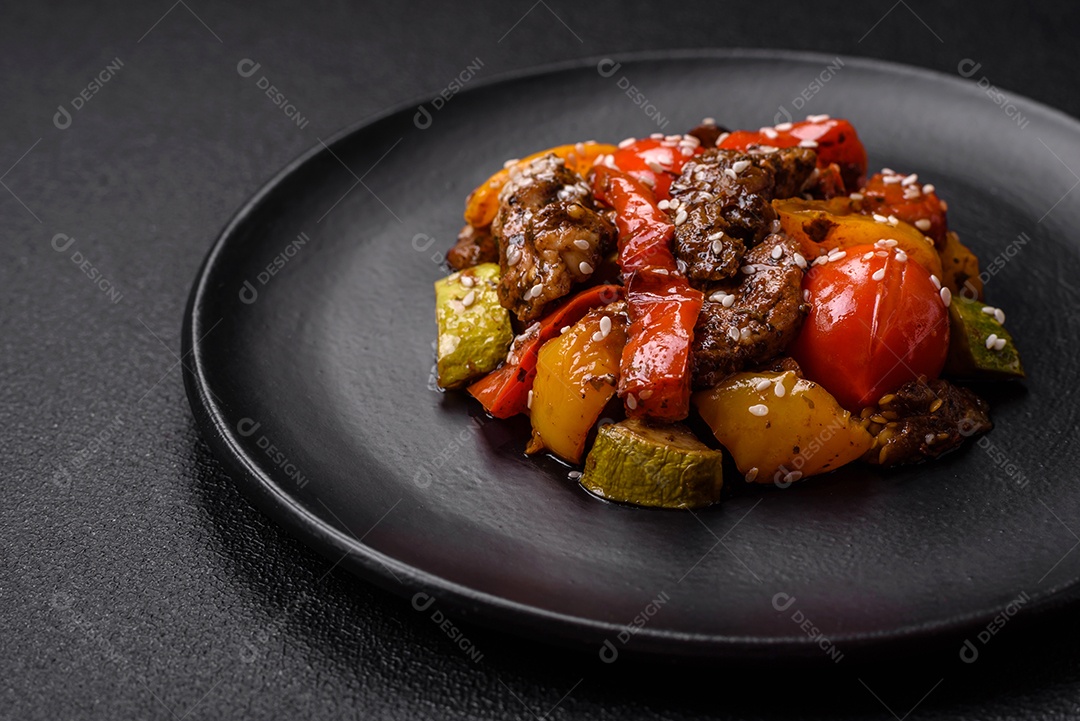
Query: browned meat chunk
474	246
708	133
726	199
550	236
747	322
922	420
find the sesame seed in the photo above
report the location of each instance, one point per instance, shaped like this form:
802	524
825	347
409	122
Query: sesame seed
817	118
799	260
663	205
467	281
708	121
929	439
564	329
806	295
605	325
890	179
513	256
469	298
728	301
882	253
910	179
928	188
999	344
748	269
991	340
597	337
744	333
808	144
879	274
585	268
763	384
631	402
784	126
730	173
893	220
645	394
660	271
528	402
889	242
657	136
793	476
901	256
751	475
654	166
717	235
946	296
574	475
536	290
820	260
837	255
582	244
511	161
740	165
999	316
777	251
988	309
888	171
779	389
733	333
878	218
680	217
722	138
923	224
856	196
936	281
718	296
868	256
766	149
717	247
627	142
674	203
759	409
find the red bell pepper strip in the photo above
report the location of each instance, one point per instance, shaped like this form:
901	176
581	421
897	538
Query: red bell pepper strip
834	140
654	375
654	371
656	161
645	231
505	391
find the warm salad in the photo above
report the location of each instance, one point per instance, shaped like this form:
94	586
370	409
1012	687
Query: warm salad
754	283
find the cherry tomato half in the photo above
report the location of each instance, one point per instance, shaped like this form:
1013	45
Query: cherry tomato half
657	161
875	323
888	195
834	140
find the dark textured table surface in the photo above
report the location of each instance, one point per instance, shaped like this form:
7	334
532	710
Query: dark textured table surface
135	582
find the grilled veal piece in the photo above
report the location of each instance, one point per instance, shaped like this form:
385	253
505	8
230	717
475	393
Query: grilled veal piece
474	246
923	420
750	320
549	234
724	198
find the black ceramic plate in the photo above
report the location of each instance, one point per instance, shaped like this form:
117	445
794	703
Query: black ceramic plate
310	330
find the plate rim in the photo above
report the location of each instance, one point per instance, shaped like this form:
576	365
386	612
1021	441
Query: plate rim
493	611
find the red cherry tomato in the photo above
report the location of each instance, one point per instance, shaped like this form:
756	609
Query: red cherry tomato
908	203
834	140
657	161
875	323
